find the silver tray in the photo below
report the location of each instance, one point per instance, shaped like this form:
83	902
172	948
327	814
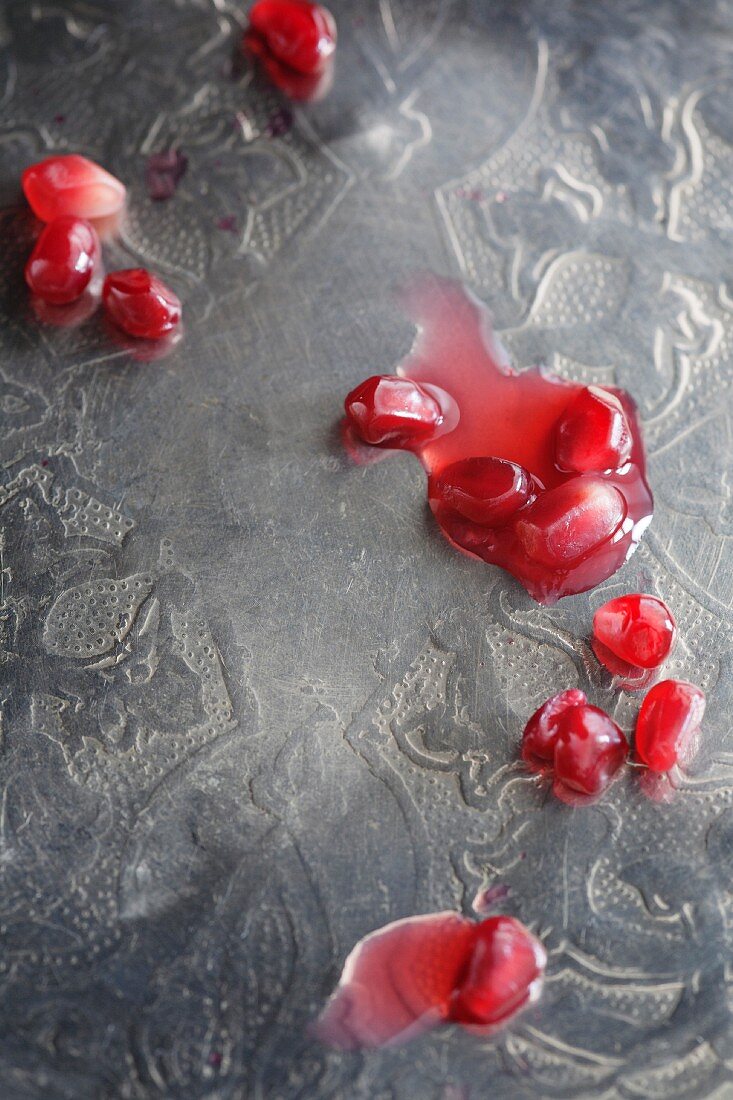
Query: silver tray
300	715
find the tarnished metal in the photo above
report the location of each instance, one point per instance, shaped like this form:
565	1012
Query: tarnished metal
294	710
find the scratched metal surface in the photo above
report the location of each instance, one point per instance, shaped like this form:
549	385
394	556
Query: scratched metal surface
295	710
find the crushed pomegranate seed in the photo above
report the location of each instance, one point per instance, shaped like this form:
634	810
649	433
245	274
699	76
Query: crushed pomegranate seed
637	628
71	185
298	33
163	173
386	411
61	265
140	304
669	718
593	433
422	971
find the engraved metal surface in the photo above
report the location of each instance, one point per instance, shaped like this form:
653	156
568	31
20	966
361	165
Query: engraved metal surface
253	706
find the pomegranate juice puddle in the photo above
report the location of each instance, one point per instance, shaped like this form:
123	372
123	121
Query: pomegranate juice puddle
544	477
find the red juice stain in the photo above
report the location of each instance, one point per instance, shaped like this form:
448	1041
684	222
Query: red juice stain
509	484
419	972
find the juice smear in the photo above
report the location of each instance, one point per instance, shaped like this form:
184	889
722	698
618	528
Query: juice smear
544	477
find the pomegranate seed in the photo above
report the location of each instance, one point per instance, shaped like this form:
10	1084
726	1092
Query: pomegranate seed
593	433
298	33
566	524
60	266
303	87
422	971
669	717
389	411
540	733
140	303
589	751
486	491
638	629
503	973
71	185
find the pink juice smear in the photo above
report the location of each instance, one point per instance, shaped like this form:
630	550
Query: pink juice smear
555	515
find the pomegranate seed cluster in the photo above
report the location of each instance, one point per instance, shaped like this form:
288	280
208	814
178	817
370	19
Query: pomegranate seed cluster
491	504
579	746
547	479
69	193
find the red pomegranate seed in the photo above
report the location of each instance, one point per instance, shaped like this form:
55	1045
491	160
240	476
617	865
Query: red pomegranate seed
566	524
669	717
303	87
389	411
72	185
60	266
638	629
589	751
540	733
503	973
593	433
484	490
298	33
140	303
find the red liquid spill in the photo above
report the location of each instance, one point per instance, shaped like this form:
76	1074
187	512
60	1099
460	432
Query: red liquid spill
442	968
571	530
